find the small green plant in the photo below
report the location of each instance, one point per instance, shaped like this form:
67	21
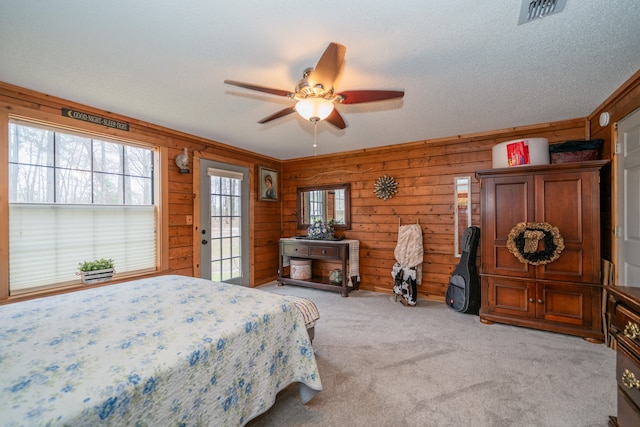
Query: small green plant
99	264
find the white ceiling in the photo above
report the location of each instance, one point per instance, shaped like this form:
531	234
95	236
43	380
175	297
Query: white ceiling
465	66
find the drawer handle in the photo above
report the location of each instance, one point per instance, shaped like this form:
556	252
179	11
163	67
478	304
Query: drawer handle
632	330
629	380
324	252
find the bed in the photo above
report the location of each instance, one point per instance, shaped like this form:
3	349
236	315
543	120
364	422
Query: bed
168	350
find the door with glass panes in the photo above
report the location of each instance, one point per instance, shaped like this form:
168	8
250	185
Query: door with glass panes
224	229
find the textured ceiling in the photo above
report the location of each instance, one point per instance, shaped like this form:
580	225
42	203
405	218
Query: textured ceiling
465	66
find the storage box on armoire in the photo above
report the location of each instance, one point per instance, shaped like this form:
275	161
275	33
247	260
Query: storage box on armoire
576	151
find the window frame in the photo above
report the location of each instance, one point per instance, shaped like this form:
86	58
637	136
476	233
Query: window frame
68	125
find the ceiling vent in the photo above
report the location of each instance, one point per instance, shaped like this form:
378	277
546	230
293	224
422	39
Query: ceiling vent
534	9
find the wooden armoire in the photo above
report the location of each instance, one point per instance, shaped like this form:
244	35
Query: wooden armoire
563	295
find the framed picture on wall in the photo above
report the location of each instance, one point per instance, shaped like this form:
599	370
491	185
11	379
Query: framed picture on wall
267	184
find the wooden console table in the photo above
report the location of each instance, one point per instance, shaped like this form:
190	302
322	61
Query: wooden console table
322	250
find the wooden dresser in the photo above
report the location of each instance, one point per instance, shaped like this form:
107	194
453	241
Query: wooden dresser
563	295
624	312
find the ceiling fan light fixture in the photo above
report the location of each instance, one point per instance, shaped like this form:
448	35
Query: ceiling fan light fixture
314	109
315	92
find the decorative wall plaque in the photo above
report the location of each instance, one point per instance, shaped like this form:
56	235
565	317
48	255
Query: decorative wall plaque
385	187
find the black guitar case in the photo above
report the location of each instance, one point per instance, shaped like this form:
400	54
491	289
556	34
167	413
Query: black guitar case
463	293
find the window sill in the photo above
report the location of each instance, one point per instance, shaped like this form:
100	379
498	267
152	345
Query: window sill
75	287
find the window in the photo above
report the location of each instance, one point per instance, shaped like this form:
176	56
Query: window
226	230
316	206
339	209
75	198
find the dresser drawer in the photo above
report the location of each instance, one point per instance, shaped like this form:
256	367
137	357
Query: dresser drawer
628	413
325	251
295	249
628	323
628	374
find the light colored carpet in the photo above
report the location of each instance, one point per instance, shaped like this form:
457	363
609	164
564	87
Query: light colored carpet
383	364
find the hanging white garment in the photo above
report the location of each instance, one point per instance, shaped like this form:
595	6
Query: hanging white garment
409	250
407	271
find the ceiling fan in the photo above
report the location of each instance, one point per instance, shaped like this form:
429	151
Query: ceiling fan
315	93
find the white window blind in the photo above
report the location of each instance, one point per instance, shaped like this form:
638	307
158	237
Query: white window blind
224	173
48	241
76	198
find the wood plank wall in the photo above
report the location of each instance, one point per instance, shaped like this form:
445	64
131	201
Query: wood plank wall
424	172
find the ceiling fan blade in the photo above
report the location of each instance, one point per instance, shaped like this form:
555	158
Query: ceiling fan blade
279	114
336	119
360	96
329	66
278	92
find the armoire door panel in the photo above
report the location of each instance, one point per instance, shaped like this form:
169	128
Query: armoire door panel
560	204
508	201
565	303
513	204
506	262
516	298
568	267
567	203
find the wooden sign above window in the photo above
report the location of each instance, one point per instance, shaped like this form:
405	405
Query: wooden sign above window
86	117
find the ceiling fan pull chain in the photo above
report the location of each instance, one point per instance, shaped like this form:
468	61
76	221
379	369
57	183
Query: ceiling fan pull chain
315	138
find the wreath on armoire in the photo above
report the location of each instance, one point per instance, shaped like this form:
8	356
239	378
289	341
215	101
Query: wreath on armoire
535	243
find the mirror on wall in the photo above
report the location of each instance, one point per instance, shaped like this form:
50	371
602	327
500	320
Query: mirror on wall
326	203
462	210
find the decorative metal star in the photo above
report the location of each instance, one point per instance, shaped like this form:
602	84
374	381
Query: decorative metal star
385	187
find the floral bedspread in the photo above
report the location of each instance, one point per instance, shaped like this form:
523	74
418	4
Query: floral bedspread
169	350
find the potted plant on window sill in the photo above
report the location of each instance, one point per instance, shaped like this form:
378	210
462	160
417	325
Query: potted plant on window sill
97	271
